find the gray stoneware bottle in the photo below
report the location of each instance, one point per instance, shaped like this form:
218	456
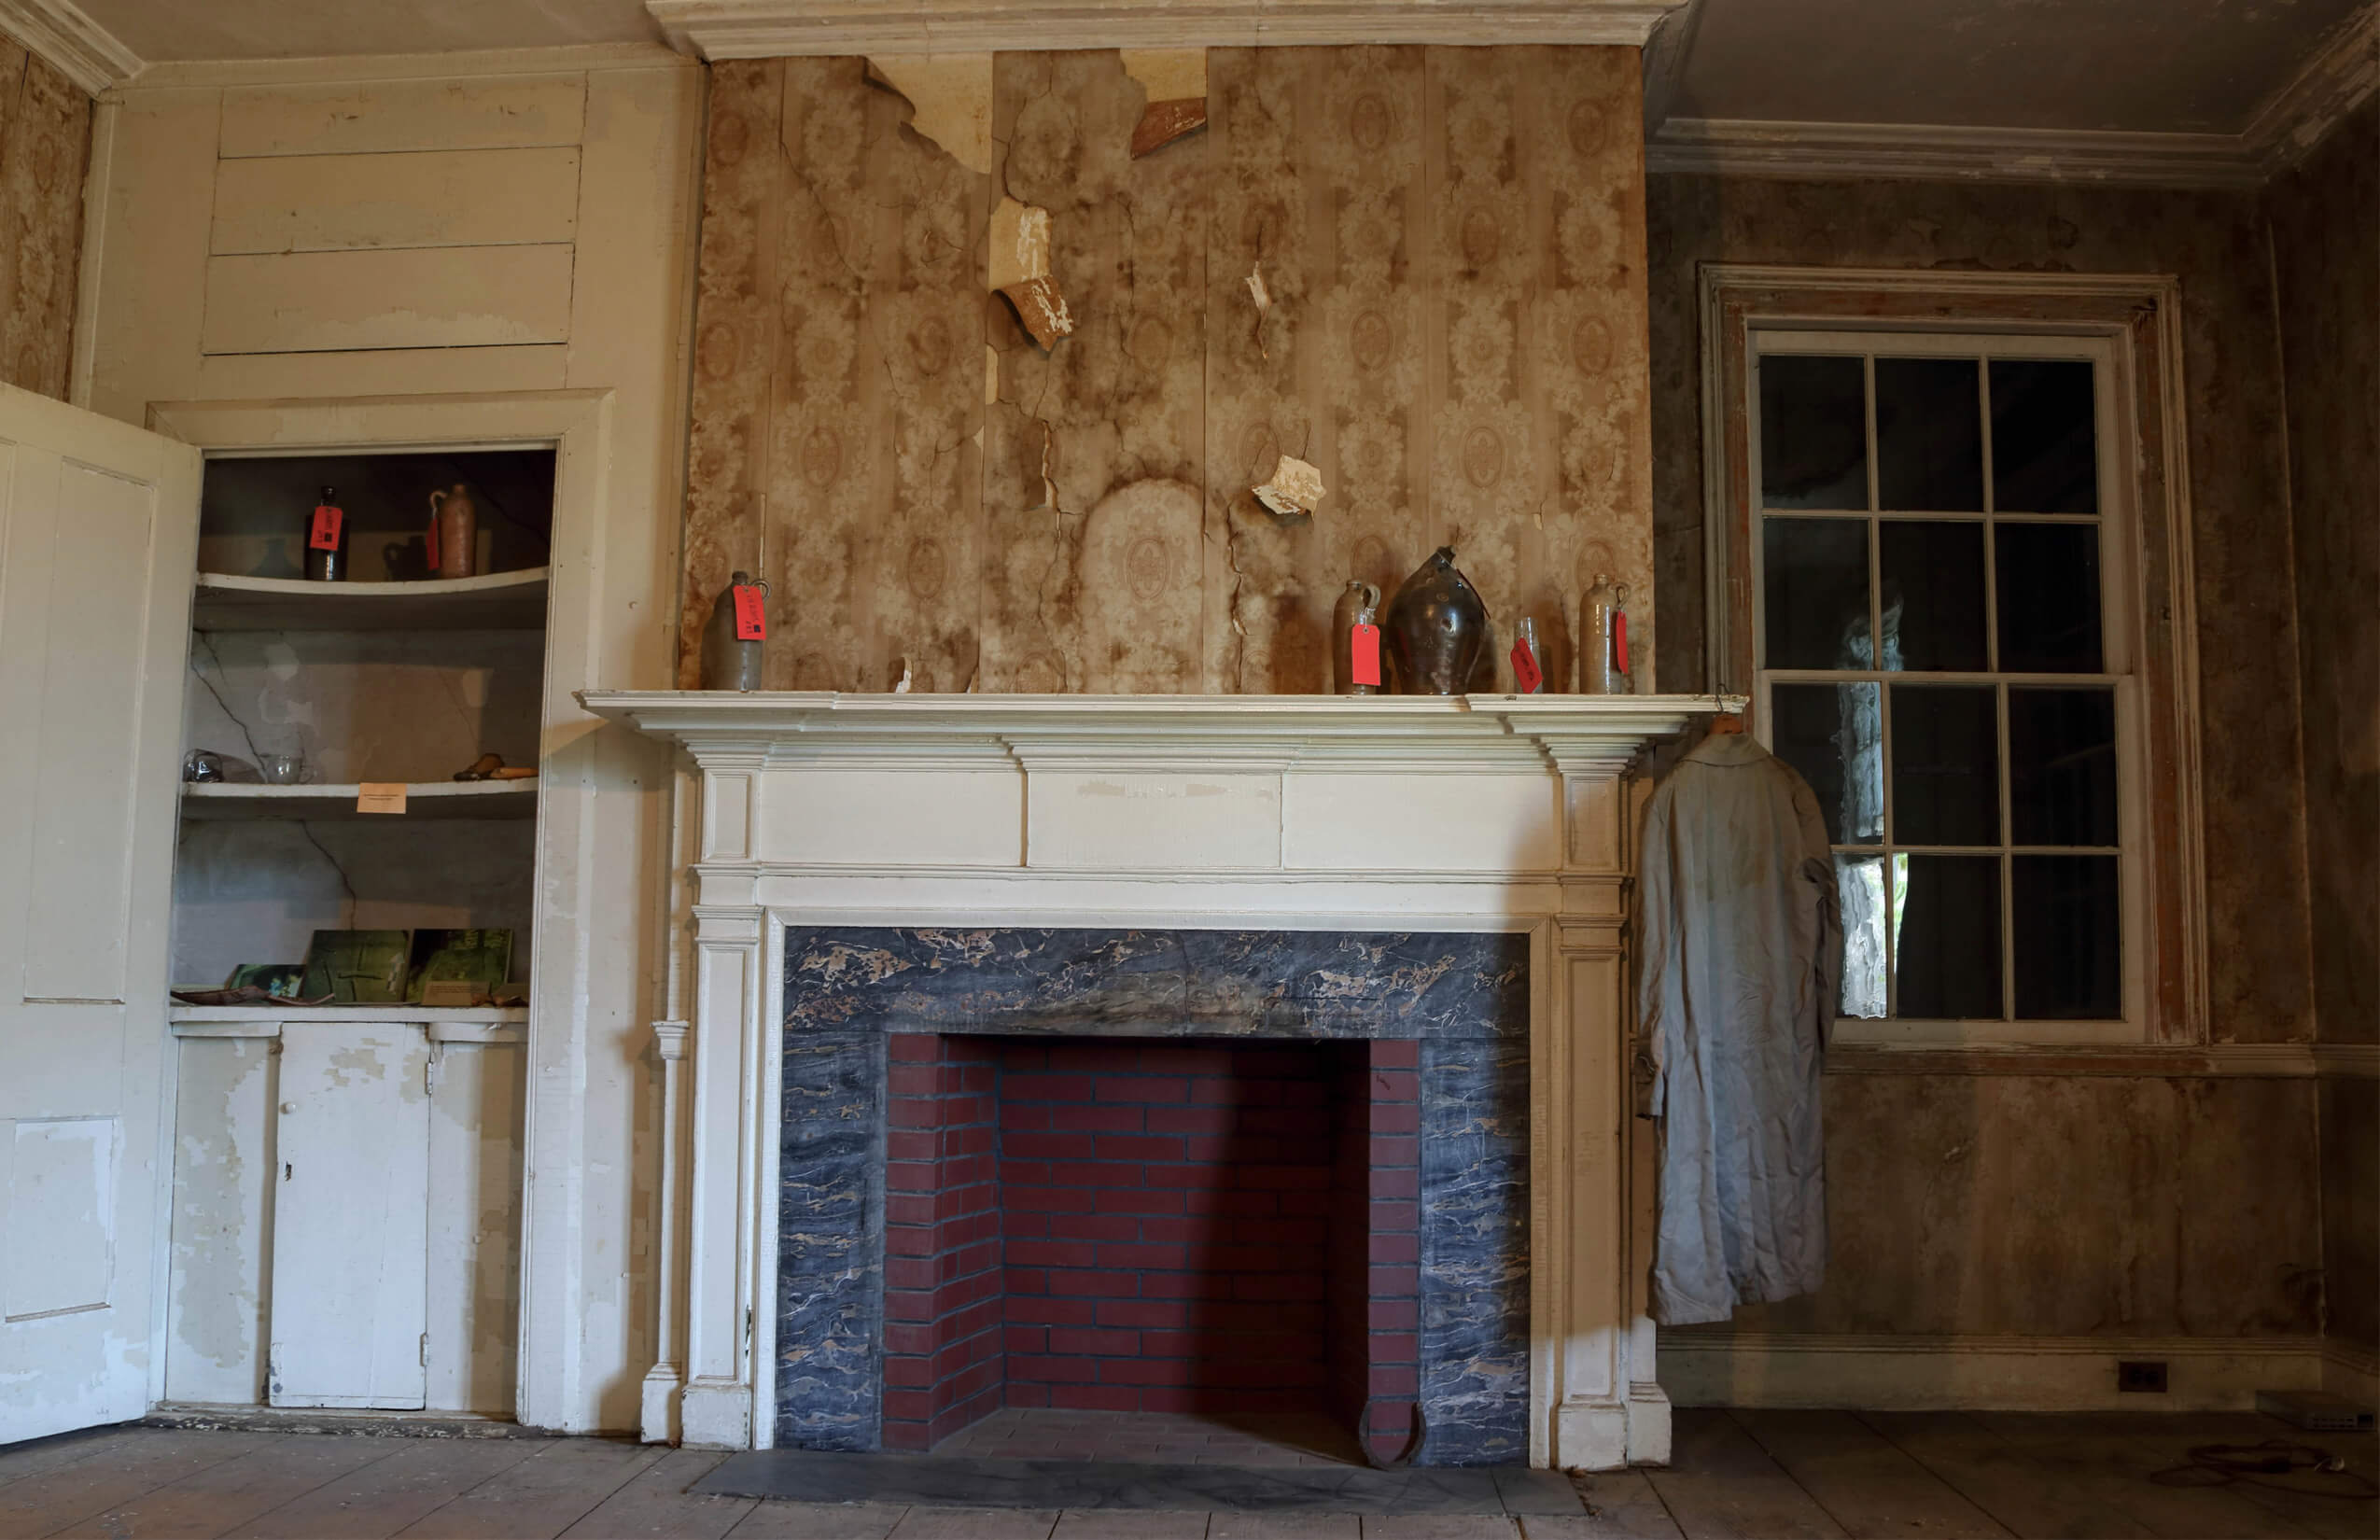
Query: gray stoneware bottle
1437	625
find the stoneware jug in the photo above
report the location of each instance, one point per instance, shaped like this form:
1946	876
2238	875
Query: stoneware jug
1437	625
730	662
454	520
1358	606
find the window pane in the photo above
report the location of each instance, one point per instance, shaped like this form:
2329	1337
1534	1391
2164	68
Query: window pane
2062	766
2069	946
1815	589
2042	433
1933	574
1834	735
1946	765
1929	434
2049	583
1814	432
1946	946
1860	880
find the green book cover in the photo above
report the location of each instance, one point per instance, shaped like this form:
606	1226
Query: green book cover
358	967
481	958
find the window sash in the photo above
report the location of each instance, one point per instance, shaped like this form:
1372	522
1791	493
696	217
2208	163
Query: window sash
2119	606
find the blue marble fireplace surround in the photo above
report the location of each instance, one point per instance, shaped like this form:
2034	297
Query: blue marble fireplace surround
1463	997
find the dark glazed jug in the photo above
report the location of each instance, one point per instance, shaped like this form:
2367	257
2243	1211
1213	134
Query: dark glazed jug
1437	625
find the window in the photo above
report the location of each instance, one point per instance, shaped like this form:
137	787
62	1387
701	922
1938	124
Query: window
1942	644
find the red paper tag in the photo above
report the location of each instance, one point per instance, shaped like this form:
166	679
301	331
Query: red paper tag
327	519
429	546
1363	654
1525	672
751	614
1619	641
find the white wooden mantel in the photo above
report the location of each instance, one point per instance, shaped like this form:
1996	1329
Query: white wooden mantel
1293	812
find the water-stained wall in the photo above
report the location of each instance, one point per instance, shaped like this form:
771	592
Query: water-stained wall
1447	244
2059	1195
44	140
2324	217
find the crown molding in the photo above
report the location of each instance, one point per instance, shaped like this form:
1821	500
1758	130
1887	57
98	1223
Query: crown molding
2339	78
1736	147
344	69
84	51
767	29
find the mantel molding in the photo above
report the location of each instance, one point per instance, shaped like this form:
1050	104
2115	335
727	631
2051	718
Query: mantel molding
1192	733
769	29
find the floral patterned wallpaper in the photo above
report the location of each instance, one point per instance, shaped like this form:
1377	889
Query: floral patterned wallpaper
1449	245
45	142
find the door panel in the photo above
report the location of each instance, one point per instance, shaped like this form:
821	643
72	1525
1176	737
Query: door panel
98	534
350	1216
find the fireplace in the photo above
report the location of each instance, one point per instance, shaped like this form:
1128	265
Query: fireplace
1154	1170
1404	917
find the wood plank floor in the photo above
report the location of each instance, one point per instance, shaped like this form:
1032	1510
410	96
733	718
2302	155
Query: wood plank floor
1940	1475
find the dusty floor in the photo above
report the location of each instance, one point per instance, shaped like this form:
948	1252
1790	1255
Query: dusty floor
1737	1474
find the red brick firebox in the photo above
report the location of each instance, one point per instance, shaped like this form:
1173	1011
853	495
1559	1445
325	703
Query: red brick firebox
1162	1225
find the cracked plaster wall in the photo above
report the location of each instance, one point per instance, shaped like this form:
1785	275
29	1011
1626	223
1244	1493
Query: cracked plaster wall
1453	241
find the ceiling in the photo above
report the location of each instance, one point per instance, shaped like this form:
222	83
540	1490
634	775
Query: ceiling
2147	67
2137	66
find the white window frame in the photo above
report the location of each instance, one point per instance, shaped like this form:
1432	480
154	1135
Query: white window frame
2129	328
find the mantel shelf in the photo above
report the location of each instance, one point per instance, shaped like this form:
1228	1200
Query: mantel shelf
1192	732
436	799
494	601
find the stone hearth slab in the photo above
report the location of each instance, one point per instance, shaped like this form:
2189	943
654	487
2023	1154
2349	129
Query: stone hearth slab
959	1482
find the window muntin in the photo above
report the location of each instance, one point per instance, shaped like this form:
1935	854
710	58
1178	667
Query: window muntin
1950	496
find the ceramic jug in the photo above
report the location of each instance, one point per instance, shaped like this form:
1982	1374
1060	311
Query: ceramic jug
1358	606
1437	625
730	662
454	530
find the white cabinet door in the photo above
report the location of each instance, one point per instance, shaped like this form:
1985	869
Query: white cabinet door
350	1214
98	537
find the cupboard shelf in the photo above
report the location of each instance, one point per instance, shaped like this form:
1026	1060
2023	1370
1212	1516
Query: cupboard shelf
496	601
435	799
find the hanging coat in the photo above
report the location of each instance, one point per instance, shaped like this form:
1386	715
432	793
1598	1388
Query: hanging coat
1741	966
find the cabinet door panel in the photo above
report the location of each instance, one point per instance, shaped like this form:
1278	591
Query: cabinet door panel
350	1208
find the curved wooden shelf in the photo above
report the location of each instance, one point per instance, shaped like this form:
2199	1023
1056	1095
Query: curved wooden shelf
435	799
496	601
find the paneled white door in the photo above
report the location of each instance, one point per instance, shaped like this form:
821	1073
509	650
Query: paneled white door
98	540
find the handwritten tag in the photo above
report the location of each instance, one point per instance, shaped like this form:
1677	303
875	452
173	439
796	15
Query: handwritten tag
325	533
1525	672
380	796
450	991
752	613
1363	654
1619	641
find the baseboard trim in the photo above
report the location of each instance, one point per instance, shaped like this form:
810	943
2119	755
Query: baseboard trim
1884	1373
2353	1371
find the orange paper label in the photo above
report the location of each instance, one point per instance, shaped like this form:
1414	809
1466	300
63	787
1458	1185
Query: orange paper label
1619	641
1363	654
1525	672
325	534
380	796
752	613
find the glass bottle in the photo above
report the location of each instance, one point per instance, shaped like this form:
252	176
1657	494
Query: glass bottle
325	530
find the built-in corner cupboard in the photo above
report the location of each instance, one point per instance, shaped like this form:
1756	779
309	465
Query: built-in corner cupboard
351	923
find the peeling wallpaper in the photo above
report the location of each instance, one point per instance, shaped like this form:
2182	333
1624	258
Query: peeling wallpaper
44	141
1451	241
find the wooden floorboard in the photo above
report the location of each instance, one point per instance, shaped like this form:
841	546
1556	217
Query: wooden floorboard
542	1495
657	1503
1721	1485
819	1521
46	1503
36	1455
1865	1484
2056	1497
1622	1505
2106	1451
205	1503
2167	1440
420	1477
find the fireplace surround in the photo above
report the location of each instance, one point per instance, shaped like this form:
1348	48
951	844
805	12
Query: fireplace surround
1134	832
